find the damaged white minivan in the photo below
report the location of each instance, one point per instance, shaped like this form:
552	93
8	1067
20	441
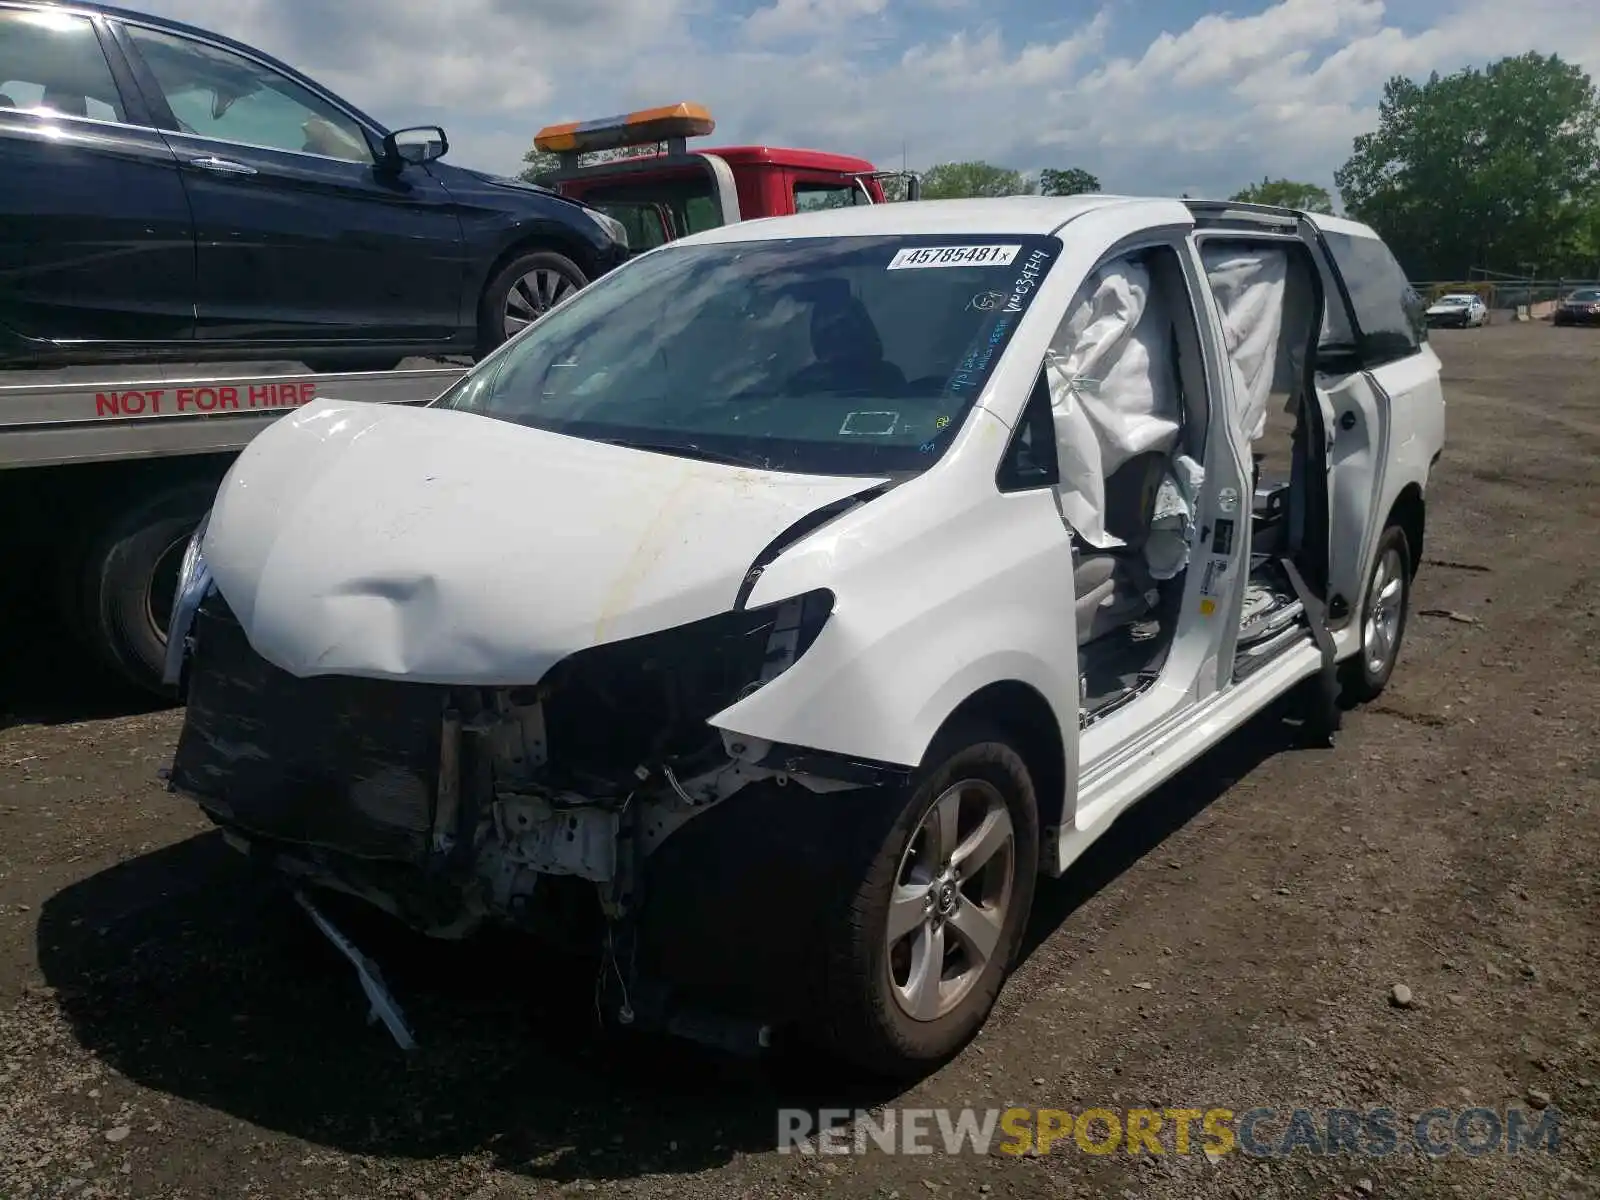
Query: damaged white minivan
770	614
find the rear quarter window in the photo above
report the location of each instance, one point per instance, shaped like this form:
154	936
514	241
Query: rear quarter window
1388	311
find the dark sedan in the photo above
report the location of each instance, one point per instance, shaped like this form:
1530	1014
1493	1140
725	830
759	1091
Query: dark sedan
1579	308
167	194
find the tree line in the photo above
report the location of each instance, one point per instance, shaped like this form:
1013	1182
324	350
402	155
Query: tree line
1495	167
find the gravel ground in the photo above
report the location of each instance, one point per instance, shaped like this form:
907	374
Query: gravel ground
170	1027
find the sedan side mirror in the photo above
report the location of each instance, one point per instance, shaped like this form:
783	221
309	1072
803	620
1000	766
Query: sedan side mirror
415	145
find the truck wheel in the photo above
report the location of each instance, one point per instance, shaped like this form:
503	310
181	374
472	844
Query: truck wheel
130	575
1384	608
334	364
924	945
526	288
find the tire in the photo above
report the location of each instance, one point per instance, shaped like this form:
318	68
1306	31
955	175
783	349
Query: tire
1365	674
565	277
123	573
868	1021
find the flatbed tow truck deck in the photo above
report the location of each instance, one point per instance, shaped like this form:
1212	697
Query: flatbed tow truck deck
163	412
104	473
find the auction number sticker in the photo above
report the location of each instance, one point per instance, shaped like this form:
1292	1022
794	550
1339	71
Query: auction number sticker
954	256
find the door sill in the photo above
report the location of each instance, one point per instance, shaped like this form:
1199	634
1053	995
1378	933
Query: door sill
1129	772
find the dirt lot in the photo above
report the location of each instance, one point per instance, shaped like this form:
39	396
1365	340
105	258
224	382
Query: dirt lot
170	1027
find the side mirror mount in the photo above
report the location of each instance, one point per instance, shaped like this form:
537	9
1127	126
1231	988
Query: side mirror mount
414	146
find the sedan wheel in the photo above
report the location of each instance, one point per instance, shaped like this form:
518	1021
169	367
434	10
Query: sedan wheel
521	292
533	295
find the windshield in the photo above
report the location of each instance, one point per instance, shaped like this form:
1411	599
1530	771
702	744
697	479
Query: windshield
831	356
1455	301
1588	295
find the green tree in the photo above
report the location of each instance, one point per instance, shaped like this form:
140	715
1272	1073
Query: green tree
1484	168
1286	193
1074	181
961	180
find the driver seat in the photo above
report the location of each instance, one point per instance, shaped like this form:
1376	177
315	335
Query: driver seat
849	352
1112	588
64	102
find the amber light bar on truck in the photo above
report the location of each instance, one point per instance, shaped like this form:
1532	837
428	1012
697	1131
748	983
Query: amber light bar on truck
670	123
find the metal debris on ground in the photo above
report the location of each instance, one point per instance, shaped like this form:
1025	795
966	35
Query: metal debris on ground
384	1007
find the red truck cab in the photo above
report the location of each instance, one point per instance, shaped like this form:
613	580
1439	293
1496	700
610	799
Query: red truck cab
669	191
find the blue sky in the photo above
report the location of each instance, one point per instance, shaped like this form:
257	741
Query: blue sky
1158	96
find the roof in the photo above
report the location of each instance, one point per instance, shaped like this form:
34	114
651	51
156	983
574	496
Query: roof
788	156
1000	215
1343	225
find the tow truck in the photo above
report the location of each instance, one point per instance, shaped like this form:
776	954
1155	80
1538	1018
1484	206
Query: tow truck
668	190
104	475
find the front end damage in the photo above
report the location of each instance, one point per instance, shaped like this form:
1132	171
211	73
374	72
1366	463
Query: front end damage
543	807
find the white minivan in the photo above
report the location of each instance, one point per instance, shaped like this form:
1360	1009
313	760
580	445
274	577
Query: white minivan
772	612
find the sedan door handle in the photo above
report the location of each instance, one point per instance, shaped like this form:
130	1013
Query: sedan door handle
221	166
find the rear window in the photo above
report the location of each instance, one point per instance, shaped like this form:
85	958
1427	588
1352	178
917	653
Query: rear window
1390	315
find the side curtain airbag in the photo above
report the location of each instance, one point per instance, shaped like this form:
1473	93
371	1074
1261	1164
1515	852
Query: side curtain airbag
1249	287
1113	393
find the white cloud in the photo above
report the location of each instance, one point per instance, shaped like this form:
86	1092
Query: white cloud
807	18
1204	108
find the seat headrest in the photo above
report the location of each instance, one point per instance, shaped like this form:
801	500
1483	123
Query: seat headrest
64	102
842	331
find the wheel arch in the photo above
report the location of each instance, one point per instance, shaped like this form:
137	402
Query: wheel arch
1409	512
1022	713
528	239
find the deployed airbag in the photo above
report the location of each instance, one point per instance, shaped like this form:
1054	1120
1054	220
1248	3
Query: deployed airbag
1249	288
1113	391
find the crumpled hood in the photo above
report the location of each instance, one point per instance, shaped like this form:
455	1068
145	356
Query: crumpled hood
395	542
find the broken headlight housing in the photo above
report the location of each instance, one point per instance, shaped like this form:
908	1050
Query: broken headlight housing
194	581
617	712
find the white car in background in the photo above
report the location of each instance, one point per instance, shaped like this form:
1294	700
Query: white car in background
771	613
1458	310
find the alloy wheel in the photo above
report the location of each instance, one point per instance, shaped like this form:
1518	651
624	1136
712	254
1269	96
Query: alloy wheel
535	294
952	893
1382	627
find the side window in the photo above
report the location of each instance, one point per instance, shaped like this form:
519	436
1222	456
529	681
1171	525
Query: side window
1030	460
645	223
215	93
812	197
1387	308
700	213
52	62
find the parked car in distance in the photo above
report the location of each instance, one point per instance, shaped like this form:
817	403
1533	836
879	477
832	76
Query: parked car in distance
1458	310
901	548
1581	307
168	194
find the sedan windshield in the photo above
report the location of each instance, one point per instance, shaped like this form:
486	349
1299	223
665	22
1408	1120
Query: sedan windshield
832	356
1587	296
